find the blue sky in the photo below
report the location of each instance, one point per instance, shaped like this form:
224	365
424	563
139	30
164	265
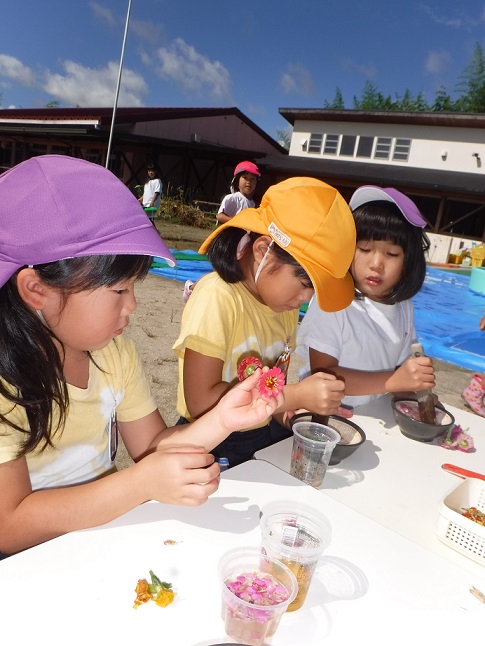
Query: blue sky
256	56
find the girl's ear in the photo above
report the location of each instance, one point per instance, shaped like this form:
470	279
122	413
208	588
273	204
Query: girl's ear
31	289
260	247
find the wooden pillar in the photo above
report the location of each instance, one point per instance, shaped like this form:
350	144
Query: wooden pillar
439	217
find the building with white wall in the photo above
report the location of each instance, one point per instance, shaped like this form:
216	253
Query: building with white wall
438	159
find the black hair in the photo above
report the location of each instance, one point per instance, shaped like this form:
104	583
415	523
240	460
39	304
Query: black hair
381	220
31	368
222	255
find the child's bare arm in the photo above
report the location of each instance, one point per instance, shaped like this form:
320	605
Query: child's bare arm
413	375
203	384
172	476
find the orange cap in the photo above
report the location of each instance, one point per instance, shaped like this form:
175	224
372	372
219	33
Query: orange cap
313	223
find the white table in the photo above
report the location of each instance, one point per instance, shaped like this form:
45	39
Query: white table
371	585
394	480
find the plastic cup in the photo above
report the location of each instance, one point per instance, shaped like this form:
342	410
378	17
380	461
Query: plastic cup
312	447
255	620
297	538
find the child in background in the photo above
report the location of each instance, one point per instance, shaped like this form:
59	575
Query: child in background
243	186
267	262
152	189
368	345
69	379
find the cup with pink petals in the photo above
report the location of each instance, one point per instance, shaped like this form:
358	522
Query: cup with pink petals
256	592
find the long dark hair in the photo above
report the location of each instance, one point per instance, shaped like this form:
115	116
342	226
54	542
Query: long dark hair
31	369
381	220
222	254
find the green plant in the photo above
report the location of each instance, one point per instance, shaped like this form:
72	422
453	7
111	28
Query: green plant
175	209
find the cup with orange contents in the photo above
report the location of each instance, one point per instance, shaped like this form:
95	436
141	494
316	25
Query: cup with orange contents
296	536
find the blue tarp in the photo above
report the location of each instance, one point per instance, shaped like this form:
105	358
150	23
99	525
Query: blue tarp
447	313
190	266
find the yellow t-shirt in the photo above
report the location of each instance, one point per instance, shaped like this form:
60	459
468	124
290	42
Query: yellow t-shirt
224	321
81	451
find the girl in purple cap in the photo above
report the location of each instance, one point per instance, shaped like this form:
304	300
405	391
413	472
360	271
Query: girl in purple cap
69	379
368	344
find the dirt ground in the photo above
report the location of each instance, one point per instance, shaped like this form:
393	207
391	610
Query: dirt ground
155	325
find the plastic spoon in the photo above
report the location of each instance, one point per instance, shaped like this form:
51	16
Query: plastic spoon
462	473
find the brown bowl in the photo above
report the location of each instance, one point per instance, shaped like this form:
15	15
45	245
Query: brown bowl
405	412
352	436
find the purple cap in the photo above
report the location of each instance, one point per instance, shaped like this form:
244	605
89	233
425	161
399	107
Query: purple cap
54	207
407	207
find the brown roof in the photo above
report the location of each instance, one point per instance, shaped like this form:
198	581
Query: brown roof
453	119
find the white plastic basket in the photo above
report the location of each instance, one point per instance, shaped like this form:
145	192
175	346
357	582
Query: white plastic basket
460	533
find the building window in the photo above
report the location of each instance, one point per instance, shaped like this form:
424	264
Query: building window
331	144
383	148
315	145
401	150
364	148
347	147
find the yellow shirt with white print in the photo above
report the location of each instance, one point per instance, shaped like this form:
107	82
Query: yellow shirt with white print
81	452
224	321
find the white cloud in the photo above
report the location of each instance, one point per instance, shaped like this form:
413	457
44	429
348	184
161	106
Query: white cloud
13	69
103	13
146	30
85	86
461	21
193	72
256	109
437	62
297	80
367	71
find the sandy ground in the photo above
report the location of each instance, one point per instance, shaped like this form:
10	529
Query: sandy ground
155	325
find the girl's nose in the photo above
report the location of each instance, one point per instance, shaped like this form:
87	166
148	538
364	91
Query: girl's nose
377	261
130	304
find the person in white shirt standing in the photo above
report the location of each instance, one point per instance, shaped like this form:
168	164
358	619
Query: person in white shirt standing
152	190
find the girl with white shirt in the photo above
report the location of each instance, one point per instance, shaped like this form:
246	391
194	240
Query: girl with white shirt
368	344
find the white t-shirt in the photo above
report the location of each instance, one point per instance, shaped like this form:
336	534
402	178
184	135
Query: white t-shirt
151	187
235	202
366	336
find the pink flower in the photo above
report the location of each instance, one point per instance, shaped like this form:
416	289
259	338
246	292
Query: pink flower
456	438
271	382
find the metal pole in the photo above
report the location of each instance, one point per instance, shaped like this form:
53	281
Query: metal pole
118	84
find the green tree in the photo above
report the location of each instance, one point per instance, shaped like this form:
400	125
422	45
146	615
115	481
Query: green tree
443	102
372	99
471	84
52	104
337	103
284	138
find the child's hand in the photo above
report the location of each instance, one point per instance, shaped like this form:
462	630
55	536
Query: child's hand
178	475
322	393
244	407
481	325
417	373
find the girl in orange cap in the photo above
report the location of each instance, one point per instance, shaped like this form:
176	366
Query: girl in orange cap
267	262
